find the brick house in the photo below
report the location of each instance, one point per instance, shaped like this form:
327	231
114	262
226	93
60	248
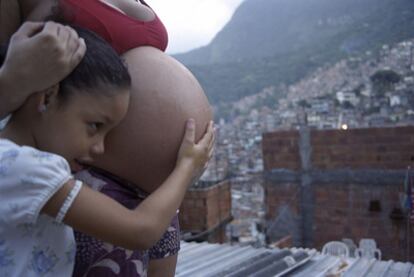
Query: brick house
205	212
323	185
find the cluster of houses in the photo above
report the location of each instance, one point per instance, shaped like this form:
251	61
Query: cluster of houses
374	89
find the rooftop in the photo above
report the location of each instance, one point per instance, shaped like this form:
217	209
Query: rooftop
204	259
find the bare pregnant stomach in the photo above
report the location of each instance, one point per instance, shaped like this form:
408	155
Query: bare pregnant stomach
143	148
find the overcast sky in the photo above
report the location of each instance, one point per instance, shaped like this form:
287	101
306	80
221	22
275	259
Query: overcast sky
193	23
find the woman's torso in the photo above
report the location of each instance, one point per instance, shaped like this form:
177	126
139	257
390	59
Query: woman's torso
124	27
143	148
97	258
125	24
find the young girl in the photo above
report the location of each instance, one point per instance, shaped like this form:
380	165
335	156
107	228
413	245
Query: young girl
64	124
135	162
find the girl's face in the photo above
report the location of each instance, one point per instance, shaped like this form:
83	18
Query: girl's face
76	129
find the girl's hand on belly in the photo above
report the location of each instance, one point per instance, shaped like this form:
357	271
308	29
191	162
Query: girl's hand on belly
196	155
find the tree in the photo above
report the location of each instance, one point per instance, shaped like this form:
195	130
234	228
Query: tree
303	103
384	80
347	105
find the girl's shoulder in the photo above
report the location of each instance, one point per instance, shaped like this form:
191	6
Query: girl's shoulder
26	160
8	145
28	178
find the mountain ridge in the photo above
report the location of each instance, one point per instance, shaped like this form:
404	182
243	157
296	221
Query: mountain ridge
269	42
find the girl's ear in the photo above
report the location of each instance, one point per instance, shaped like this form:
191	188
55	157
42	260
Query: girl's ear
47	99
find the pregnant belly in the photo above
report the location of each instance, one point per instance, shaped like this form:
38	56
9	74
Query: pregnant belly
143	148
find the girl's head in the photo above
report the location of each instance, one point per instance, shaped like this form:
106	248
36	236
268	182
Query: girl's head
73	117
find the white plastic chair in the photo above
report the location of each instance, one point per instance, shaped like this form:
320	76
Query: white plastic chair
336	248
368	249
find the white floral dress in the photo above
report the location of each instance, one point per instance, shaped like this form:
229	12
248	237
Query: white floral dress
33	244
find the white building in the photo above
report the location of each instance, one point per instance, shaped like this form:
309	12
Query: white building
347	96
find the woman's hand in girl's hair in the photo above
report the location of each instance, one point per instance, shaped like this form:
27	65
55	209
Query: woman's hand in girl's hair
44	54
195	156
39	56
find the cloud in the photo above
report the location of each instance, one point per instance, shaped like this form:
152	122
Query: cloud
193	23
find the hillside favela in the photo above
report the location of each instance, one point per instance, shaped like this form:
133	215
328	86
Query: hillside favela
312	173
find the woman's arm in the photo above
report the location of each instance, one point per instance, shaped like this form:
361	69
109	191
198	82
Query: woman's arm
164	267
100	216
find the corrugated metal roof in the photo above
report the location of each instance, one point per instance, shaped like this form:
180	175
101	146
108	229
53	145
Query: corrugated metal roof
218	260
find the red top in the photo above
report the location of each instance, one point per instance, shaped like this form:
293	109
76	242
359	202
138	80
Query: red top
121	31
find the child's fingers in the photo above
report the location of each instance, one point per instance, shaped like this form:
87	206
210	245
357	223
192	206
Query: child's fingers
210	149
210	152
213	140
190	131
205	140
204	170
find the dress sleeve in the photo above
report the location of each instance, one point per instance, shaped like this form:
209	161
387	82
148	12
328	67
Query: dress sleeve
28	179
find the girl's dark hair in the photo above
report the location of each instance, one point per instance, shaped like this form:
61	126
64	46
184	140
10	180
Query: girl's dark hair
101	65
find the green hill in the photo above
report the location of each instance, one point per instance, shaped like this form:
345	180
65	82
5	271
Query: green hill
268	42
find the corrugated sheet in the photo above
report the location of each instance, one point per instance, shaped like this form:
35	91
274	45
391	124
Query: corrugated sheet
204	259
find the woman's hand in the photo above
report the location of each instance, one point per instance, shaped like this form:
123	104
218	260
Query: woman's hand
195	156
43	54
39	56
